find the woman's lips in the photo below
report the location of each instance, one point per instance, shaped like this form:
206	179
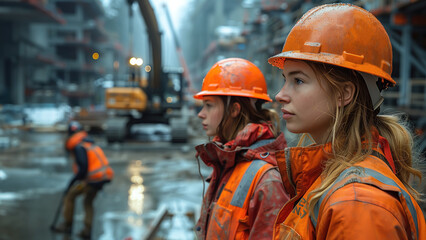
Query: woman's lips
286	114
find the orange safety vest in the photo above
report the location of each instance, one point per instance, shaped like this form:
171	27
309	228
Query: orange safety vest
299	224
98	168
229	213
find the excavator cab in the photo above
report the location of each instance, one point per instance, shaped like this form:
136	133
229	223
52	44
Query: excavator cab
140	103
126	98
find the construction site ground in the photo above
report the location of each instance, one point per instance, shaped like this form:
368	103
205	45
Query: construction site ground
156	192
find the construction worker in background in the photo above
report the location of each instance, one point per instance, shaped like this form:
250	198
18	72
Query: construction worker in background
245	189
352	182
91	172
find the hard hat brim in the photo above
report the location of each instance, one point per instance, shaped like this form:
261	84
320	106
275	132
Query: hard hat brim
201	94
337	60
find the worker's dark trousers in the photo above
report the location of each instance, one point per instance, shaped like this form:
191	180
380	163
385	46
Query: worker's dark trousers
89	195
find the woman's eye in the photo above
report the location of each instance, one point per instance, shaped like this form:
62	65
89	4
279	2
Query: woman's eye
298	81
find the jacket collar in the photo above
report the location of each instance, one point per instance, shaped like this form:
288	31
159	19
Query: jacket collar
255	141
301	166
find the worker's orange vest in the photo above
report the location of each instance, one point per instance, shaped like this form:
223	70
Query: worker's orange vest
228	219
299	224
98	168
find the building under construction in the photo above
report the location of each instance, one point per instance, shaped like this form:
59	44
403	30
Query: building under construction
257	29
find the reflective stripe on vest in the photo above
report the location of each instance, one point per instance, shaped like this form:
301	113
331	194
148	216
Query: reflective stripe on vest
102	169
240	194
228	218
365	172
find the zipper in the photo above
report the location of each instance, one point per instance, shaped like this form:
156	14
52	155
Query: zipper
288	168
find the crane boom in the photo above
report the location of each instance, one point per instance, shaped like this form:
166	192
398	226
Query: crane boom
182	61
155	40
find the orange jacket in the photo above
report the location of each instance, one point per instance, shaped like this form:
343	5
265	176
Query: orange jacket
229	218
245	190
97	164
366	201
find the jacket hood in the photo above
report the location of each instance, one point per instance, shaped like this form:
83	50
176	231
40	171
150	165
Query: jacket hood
255	141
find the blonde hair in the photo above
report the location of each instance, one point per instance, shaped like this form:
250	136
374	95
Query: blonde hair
249	113
352	126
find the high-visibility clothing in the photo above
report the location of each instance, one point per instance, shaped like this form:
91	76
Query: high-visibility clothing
97	164
367	201
230	211
245	190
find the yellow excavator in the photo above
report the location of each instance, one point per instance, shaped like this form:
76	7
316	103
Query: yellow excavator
157	99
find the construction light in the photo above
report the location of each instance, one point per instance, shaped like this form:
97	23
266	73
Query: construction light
147	68
95	56
139	61
132	61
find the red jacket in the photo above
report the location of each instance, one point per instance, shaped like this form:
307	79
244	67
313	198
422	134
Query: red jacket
366	201
266	194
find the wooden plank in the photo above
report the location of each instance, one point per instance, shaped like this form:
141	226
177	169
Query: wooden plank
155	225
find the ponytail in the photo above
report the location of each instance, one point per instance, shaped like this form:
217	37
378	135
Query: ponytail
396	131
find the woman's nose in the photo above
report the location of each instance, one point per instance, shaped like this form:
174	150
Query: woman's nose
282	96
201	114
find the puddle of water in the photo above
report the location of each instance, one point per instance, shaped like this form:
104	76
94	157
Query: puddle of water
9	196
3	175
125	225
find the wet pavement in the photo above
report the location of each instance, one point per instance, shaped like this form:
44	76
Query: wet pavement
150	178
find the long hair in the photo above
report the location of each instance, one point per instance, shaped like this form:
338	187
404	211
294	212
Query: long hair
352	128
250	113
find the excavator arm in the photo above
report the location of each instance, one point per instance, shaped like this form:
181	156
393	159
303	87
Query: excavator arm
161	101
155	41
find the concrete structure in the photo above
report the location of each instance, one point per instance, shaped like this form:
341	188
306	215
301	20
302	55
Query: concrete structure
56	51
25	57
80	45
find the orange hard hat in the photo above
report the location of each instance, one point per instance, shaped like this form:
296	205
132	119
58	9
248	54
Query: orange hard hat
234	77
343	35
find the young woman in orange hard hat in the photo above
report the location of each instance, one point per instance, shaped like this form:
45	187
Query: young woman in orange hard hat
245	190
353	182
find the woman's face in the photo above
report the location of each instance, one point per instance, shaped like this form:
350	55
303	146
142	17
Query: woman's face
306	106
211	114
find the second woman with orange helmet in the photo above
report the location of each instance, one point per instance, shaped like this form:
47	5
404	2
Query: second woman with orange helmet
245	189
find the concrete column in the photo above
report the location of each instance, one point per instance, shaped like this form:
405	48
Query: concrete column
18	86
405	68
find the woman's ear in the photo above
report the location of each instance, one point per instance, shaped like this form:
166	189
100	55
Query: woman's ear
236	109
348	94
